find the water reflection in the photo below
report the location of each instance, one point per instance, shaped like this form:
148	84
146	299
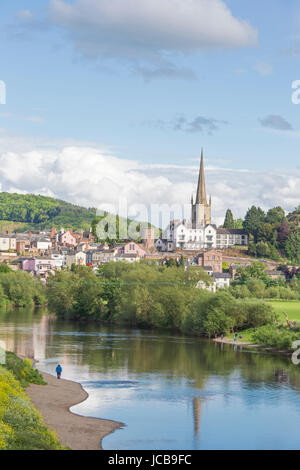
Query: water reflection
171	391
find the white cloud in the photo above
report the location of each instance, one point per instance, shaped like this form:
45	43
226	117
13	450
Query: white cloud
90	176
150	32
36	119
263	68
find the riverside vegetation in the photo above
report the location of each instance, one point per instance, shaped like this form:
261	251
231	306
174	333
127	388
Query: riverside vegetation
153	296
164	297
21	426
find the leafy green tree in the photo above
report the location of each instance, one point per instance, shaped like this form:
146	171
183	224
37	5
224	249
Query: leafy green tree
181	262
5	269
253	221
292	246
294	217
267	233
275	216
238	223
266	250
253	271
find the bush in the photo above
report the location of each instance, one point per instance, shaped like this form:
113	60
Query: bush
275	337
21	426
215	314
23	370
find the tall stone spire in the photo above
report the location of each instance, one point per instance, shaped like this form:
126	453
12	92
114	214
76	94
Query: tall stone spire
201	189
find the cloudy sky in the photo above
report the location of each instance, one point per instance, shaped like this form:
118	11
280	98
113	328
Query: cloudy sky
108	98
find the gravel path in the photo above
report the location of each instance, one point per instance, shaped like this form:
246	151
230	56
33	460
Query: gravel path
73	431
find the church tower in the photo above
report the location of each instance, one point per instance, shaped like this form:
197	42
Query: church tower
201	210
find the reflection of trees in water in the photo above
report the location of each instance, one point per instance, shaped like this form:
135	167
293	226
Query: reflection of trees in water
151	352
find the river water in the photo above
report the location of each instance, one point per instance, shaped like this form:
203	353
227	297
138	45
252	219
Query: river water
170	391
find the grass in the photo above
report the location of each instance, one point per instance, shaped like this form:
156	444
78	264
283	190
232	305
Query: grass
247	336
291	308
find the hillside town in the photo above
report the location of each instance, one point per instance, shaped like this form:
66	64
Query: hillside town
197	242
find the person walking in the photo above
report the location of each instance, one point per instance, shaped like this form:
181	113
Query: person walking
58	371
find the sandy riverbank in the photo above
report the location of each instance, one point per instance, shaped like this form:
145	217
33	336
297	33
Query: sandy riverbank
238	343
76	432
251	345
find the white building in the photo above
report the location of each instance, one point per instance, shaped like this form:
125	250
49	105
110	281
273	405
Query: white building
7	242
221	280
199	233
78	258
60	260
227	237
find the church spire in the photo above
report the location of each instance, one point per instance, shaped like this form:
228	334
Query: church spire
201	189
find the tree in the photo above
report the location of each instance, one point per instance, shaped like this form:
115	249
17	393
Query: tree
238	223
181	262
5	269
229	220
283	233
254	219
267	233
253	271
292	246
294	217
275	216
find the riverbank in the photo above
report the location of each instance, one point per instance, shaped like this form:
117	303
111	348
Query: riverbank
73	431
238	343
252	345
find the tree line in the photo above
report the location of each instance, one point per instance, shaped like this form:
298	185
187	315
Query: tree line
151	296
272	234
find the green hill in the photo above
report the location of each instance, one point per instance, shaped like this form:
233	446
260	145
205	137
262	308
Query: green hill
25	211
20	212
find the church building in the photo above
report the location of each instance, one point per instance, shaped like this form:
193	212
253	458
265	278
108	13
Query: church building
199	233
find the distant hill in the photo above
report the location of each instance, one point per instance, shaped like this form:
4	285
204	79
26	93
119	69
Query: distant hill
25	211
20	212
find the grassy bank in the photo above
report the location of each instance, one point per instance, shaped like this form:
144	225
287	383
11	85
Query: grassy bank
291	308
21	426
277	336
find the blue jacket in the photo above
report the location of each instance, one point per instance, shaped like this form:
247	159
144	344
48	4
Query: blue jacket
58	368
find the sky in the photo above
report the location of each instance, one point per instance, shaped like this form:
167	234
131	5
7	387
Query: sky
116	98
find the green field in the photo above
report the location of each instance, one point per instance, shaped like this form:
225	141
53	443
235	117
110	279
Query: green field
292	309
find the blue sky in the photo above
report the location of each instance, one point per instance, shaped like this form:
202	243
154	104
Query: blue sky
148	84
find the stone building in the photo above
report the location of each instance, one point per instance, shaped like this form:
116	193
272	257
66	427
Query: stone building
211	258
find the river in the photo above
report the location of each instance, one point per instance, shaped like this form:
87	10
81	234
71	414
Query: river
170	391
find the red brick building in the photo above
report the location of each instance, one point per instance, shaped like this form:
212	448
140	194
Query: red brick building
211	258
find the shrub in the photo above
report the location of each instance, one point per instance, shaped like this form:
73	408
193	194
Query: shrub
23	370
21	426
274	337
